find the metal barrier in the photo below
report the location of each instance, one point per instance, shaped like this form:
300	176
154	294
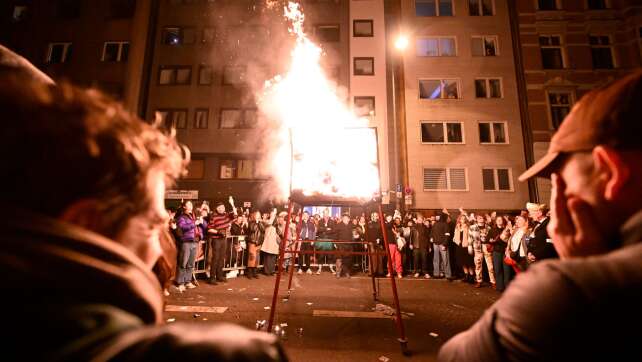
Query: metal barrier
235	258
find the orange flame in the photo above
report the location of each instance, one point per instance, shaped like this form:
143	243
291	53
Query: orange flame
322	148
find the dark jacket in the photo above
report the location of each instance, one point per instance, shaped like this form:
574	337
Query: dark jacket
538	246
344	233
238	230
420	237
439	232
373	233
326	229
255	233
85	297
559	310
494	237
307	230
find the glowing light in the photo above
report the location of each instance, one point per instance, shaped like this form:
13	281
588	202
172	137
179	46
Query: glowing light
401	43
317	134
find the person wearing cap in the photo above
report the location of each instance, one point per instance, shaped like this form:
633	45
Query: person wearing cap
540	246
585	305
218	230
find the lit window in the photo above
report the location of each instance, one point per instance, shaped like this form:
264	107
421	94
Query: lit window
484	46
173	118
436	47
175	75
238	169
178	36
239	118
438	89
201	117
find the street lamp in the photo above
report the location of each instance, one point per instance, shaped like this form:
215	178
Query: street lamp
401	43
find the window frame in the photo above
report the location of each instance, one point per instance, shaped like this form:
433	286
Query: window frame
201	159
121	45
481	12
374	105
65	52
607	6
609	46
549	106
483	38
354	28
207	117
437	10
558	6
561	47
175	68
170	113
236	161
492	134
496	178
243	81
487	85
354	66
448	180
200	70
445	131
438	38
441	98
319	26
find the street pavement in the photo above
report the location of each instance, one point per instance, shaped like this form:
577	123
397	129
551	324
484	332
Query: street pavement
346	326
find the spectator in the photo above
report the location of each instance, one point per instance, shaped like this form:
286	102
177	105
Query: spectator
540	245
344	234
218	230
188	231
256	232
79	253
517	249
497	237
270	247
406	251
374	237
326	231
289	243
238	231
394	255
464	248
308	234
439	234
420	246
478	235
555	310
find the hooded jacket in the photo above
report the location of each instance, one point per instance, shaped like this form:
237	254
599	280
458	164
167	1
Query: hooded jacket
85	297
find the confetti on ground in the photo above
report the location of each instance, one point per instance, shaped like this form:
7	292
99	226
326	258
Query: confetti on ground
384	359
266	308
309	303
170	320
283	324
255	298
204	319
434	335
230	289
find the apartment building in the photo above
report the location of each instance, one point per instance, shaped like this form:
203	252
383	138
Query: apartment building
569	47
463	137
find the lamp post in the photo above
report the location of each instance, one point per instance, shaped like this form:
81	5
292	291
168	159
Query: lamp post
399	120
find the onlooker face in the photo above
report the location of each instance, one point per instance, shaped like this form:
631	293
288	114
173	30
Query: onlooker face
220	209
521	222
345	219
420	219
462	219
374	216
189	207
204	212
326	213
306	217
499	221
388	218
480	220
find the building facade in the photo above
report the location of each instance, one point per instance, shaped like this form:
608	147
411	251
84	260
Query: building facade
463	132
569	47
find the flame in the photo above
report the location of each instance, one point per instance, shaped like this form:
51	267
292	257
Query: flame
322	147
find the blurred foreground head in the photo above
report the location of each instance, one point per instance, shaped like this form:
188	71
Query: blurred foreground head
79	156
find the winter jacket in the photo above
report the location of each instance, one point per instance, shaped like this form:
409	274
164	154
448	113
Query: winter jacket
460	236
271	240
439	233
256	232
187	224
420	237
539	244
86	297
307	230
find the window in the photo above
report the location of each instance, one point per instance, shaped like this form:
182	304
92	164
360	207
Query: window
497	179
205	75
560	105
115	51
201	116
233	75
58	53
364	66
208	35
68	9
492	133
488	88
484	46
445	179
328	33
362	28
364	106
238	169
551	49
436	47
597	4
547	5
439	89
442	132
178	36
20	13
601	51
434	7
173	118
171	75
239	118
120	9
195	169
480	7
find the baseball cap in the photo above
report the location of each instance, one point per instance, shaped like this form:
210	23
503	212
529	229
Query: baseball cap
604	116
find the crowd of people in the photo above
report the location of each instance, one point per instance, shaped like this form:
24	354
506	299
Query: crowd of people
454	247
